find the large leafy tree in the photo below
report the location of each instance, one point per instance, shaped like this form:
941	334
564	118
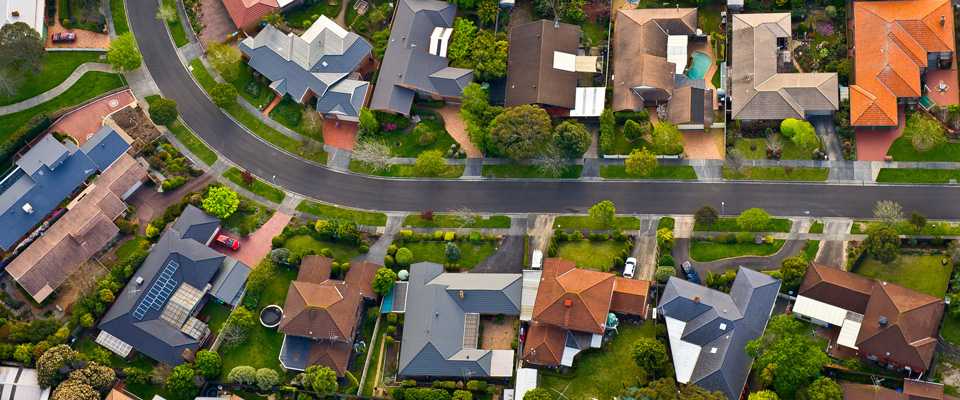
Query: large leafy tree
790	353
763	395
225	59
51	365
753	220
572	138
124	55
570	11
75	390
882	243
537	394
792	270
99	377
242	375
651	356
180	383
321	379
383	281
640	162
21	53
824	389
924	132
667	139
489	55
464	34
604	214
163	111
430	163
221	202
520	132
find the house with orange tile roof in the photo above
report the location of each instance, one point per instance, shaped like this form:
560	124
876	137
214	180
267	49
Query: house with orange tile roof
247	14
572	310
898	47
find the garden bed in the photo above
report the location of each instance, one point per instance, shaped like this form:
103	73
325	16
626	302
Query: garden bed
136	124
308	244
756	149
177	169
706	250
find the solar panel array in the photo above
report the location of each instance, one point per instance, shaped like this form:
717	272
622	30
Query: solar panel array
161	290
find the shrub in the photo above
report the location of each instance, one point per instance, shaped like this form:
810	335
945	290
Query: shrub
163	111
208	364
267	378
664	273
221	202
449	236
404	257
242	375
383	281
744	237
666	260
452	252
406	233
389	262
437	235
754	220
224	94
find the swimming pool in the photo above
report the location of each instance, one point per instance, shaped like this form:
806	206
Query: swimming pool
700	65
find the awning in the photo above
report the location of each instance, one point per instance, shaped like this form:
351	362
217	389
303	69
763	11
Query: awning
818	310
526	381
528	295
849	330
589	102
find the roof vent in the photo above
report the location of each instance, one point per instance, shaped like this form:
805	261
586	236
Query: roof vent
696	299
27	208
713	350
723	326
567	303
943	20
16	13
139	280
461	295
883	321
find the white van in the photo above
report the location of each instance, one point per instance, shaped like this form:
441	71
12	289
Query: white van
629	267
536	261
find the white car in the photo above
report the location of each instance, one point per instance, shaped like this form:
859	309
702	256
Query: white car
629	268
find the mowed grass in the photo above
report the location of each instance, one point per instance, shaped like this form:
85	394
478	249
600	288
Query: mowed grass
729	224
902	150
471	253
756	149
923	273
193	143
601	373
678	172
705	250
588	254
905	175
57	66
302	243
324	211
403	170
119	13
256	186
453	221
585	222
262	347
176	26
777	174
529	171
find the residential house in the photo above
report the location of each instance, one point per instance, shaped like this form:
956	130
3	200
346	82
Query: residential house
247	15
415	62
321	64
912	390
155	312
441	325
764	86
49	172
86	228
708	329
321	316
543	66
572	309
883	322
903	54
17	383
30	12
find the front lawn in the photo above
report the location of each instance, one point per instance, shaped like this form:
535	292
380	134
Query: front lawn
777	174
454	221
729	224
193	143
249	216
601	373
471	253
923	273
176	26
262	347
256	186
428	134
324	211
810	249
119	14
678	172
756	149
57	66
705	250
902	150
816	227
528	171
909	175
303	244
585	222
595	255
403	170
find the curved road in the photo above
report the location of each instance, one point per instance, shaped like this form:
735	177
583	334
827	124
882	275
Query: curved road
246	150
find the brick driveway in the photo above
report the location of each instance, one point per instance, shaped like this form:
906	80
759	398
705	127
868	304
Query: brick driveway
872	144
257	245
698	145
216	23
340	134
84	122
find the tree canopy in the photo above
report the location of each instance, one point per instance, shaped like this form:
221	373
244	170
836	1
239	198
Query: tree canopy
572	138
163	111
520	132
321	379
383	281
824	389
604	213
753	220
789	354
792	271
651	356
924	132
882	243
221	202
667	139
21	53
640	162
124	55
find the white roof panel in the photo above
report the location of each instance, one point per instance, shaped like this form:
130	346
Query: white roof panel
528	295
564	61
501	363
830	314
526	381
677	51
849	332
685	354
589	102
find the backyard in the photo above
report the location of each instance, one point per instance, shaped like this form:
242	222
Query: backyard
303	16
923	273
595	255
706	250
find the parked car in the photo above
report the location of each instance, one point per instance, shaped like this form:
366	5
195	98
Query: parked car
689	272
228	242
629	267
64	37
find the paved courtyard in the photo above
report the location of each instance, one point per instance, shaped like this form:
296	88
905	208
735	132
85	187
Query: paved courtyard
84	122
703	146
85	39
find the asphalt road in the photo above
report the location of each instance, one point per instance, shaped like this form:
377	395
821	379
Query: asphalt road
316	181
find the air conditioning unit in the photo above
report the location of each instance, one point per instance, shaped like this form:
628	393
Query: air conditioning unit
139	280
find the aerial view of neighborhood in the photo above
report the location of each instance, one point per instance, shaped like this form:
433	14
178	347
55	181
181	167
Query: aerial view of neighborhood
479	200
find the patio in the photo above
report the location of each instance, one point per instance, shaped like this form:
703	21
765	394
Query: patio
85	121
949	94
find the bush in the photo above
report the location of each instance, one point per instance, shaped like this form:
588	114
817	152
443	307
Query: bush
754	220
221	202
404	257
267	378
449	236
664	273
242	375
666	260
163	111
208	364
224	94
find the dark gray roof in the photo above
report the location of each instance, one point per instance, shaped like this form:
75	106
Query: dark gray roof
196	225
434	321
46	175
228	286
722	321
408	66
318	61
198	266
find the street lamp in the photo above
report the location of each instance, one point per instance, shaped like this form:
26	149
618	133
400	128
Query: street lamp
723	207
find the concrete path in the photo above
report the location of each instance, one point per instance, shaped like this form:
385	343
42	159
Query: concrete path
458	129
645	248
339	159
540	232
683	226
591	168
473	168
57	90
379	249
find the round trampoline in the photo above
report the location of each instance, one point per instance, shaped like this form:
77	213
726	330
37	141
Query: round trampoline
270	316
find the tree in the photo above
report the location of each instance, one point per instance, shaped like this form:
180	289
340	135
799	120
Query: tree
167	13
383	281
242	375
666	139
824	389
99	377
487	11
430	163
537	394
792	271
882	243
225	59
273	18
924	132
651	356
570	11
368	124
888	212
123	54
572	138
267	378
604	214
50	365
224	95
477	113
221	202
464	34
550	162
373	154
918	221
666	389
763	395
608	131
86	320
520	132
801	133
163	111
74	390
208	364
706	216
795	356
237	326
380	39
180	382
404	257
632	130
753	220
321	379
664	273
640	162
452	252
21	53
489	55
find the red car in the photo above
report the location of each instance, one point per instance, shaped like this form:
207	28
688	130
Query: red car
229	242
64	37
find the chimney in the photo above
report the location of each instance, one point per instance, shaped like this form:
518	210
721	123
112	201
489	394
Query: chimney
696	299
461	295
883	321
16	13
567	303
139	280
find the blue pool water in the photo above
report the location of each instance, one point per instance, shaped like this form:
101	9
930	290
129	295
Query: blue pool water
699	66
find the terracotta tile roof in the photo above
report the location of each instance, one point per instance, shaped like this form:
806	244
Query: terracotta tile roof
630	296
314	269
333	354
544	344
531	77
833	286
573	298
922	390
912	390
892	40
246	14
360	277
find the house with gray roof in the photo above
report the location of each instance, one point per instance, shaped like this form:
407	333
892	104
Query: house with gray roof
322	63
46	174
155	312
415	62
442	322
709	329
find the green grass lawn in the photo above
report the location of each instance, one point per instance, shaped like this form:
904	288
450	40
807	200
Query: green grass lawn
950	330
217	314
601	373
471	253
262	347
923	273
453	221
324	211
933	228
248	217
176	26
193	143
777	174
528	171
302	16
816	227
902	150
679	172
585	222
594	32
91	85
119	14
57	66
729	224
406	143
591	255
255	91
258	187
756	149
313	152
302	243
403	170
810	249
909	175
288	113
623	146
705	250
373	369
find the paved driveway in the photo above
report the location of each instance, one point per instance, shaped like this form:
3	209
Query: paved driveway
216	22
84	122
255	246
507	260
681	253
